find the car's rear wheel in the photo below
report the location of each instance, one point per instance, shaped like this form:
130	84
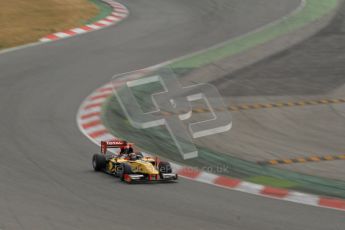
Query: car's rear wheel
98	162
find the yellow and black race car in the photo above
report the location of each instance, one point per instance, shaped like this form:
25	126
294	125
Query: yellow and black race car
131	166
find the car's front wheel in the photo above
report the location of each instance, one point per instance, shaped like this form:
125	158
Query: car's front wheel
123	171
164	167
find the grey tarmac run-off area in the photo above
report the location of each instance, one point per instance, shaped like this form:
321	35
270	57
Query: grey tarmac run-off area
314	69
46	180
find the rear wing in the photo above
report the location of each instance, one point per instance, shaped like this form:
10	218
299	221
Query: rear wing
112	144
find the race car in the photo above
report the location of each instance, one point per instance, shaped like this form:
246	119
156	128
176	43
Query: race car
131	166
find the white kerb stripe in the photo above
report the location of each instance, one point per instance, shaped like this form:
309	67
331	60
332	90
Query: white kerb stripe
302	198
94	128
206	178
119	14
249	187
176	167
95	27
115	4
62	35
90	110
45	39
121	10
99	93
78	30
105	137
99	100
87	120
104	22
112	18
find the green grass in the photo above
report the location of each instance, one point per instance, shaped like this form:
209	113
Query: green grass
104	11
272	181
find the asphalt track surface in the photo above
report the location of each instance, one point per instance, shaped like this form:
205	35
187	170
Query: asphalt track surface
46	181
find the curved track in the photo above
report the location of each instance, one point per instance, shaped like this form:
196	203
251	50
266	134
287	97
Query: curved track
45	174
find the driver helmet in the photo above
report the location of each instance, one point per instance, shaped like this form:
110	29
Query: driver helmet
132	156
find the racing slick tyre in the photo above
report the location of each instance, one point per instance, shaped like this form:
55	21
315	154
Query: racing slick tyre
164	167
124	170
98	162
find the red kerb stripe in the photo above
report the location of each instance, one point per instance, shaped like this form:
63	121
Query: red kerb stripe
333	203
106	95
227	181
70	32
99	24
89	115
189	172
52	37
117	16
91	124
93	106
275	192
98	133
108	20
86	28
106	89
